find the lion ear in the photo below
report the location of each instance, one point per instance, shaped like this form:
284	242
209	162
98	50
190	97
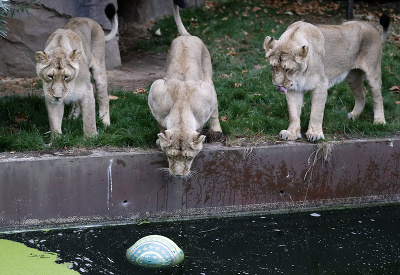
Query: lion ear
269	43
75	55
165	137
302	53
42	57
197	140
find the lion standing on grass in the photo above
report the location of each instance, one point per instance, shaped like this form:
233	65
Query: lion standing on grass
314	58
184	99
71	54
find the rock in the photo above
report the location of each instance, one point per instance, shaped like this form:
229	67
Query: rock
28	32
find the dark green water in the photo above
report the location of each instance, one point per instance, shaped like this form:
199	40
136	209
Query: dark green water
352	241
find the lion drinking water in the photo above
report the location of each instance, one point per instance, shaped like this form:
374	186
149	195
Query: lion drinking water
184	100
314	58
71	54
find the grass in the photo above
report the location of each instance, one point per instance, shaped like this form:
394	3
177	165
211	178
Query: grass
249	105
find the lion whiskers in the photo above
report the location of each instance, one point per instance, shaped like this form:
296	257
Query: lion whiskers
192	175
166	172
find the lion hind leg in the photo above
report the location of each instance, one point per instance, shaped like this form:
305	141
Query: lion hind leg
214	120
355	81
100	80
76	111
207	88
89	113
375	84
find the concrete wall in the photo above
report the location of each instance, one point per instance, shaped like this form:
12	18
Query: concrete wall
43	190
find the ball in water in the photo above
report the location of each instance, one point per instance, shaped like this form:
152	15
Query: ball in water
155	251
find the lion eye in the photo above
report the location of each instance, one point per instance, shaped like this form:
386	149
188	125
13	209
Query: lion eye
50	76
287	70
66	77
189	158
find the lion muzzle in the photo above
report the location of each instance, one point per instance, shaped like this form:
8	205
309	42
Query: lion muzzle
57	92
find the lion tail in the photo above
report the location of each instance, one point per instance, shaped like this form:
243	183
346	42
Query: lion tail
113	17
176	4
384	20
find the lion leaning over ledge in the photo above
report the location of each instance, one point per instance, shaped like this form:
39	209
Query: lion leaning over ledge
71	54
184	100
315	57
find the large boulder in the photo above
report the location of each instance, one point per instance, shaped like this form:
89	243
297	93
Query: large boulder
28	32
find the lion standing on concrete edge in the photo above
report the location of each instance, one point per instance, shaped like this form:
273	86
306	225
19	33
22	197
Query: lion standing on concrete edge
71	54
184	99
314	58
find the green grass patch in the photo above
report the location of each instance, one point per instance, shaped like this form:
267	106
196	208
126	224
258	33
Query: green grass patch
250	106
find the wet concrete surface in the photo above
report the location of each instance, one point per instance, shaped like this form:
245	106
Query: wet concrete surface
112	187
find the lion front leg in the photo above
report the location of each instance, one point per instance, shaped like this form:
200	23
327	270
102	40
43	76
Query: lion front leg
55	112
318	100
294	102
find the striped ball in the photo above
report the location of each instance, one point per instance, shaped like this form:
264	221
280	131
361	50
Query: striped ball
155	251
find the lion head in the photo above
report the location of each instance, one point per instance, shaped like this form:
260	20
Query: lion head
287	61
180	150
58	71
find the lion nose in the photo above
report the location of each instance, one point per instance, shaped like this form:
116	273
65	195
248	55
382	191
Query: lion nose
57	98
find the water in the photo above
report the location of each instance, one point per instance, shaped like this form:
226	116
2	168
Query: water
351	241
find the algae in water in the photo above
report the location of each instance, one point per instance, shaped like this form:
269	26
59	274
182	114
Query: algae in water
17	258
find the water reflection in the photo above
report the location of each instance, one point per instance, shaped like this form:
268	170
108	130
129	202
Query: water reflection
358	241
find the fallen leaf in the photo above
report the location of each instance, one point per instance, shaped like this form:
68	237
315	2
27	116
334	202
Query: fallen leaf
223	118
20	117
112	97
255	9
237	85
225	75
397	102
388	68
245	71
139	91
224	18
259	67
394	88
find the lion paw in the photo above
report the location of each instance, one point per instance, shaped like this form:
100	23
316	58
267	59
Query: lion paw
352	116
288	135
379	121
314	135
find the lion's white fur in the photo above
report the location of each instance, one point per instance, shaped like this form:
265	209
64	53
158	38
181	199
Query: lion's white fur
314	58
184	100
71	54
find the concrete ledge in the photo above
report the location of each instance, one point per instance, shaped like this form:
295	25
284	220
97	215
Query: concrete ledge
114	187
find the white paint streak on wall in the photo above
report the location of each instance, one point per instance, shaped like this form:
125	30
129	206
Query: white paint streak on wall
109	177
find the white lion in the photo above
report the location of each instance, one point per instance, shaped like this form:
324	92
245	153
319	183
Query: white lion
184	100
71	54
315	57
